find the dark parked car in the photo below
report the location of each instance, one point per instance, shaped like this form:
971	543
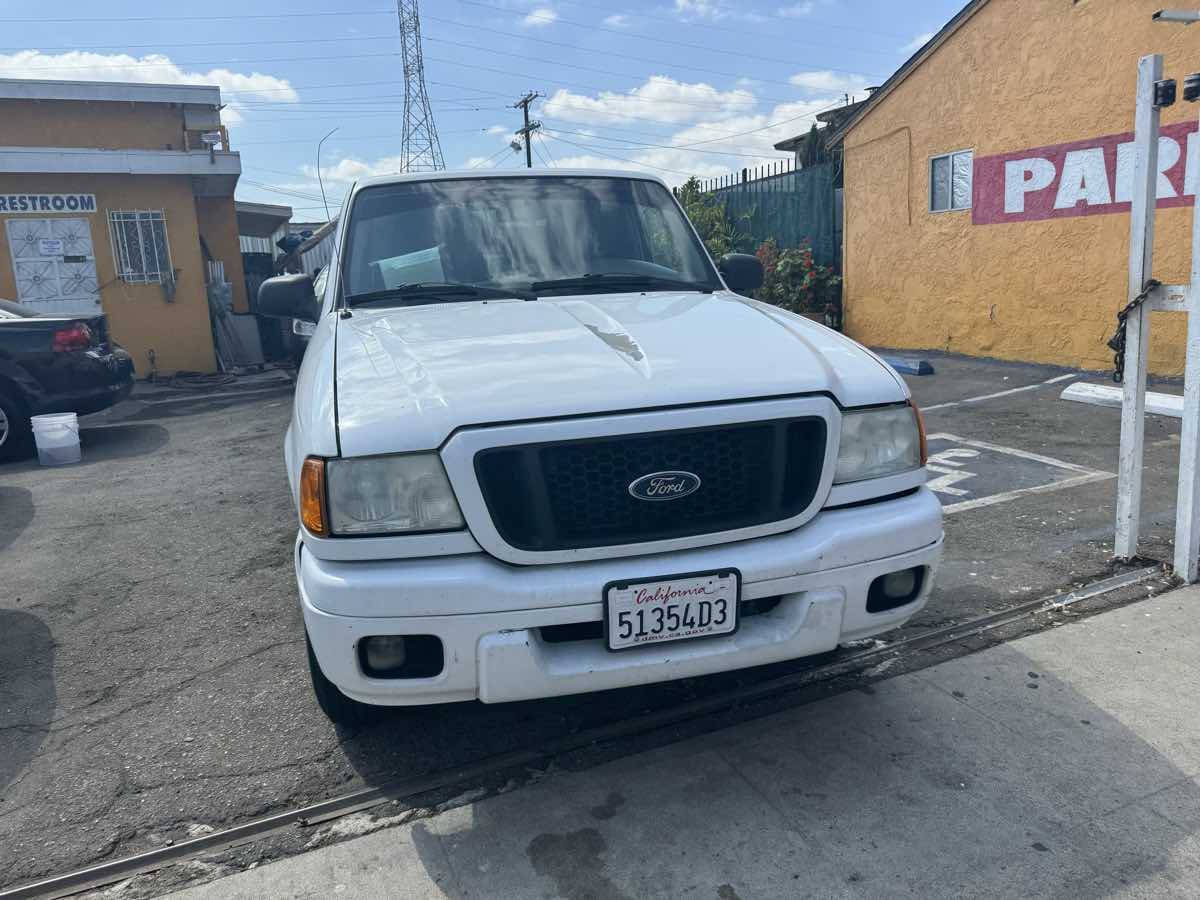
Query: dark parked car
52	364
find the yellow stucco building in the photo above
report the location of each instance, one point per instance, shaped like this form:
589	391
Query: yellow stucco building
987	185
118	197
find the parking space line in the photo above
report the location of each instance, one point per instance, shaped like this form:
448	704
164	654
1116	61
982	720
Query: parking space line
1084	474
1016	390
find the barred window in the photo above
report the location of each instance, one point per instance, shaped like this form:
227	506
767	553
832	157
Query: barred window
139	241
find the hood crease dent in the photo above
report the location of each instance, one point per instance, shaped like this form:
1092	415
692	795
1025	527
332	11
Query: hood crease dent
408	377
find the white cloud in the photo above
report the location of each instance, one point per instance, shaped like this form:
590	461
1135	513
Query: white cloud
751	133
540	17
829	82
616	20
797	10
349	169
497	129
714	11
918	42
154	68
660	98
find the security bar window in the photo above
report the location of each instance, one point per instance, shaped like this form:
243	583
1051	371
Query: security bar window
139	240
950	181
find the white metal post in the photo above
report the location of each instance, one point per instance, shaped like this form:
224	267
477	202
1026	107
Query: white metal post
1187	507
1137	334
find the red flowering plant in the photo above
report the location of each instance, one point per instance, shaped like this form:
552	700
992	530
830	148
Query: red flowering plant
793	281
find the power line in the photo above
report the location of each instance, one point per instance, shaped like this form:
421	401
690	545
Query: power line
554	62
726	29
217	62
392	55
484	162
348	137
683	147
159	44
591	87
384	11
546	147
275	189
218	18
657	38
632	162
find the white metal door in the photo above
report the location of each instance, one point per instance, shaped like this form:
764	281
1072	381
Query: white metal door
54	265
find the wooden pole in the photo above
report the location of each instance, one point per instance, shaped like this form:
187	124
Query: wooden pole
1187	505
1137	330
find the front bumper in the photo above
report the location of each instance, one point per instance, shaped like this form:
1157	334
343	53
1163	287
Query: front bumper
488	614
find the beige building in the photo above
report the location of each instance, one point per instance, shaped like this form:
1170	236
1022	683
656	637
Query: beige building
118	197
987	185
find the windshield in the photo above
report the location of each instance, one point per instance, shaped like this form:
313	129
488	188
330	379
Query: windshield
516	233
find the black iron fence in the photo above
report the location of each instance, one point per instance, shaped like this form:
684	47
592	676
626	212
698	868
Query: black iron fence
793	206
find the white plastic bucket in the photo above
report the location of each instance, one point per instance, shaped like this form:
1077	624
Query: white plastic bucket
57	439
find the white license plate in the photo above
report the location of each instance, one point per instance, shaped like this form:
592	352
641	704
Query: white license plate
677	608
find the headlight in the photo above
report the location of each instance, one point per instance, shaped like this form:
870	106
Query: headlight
390	494
879	442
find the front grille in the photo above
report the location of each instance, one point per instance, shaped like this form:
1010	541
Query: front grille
572	494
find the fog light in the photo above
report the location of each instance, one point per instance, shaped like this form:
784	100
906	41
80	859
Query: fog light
384	653
899	584
894	589
401	656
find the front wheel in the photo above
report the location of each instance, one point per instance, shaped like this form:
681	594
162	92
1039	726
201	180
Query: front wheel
15	430
339	708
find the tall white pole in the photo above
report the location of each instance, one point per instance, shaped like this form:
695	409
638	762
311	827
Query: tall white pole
1137	334
1187	507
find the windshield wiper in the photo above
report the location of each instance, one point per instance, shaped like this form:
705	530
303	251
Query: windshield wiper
437	289
621	279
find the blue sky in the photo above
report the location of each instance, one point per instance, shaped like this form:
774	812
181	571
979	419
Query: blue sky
712	83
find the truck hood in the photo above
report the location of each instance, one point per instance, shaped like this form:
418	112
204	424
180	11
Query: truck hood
407	378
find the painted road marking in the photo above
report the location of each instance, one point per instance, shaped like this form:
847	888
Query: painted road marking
968	474
1016	390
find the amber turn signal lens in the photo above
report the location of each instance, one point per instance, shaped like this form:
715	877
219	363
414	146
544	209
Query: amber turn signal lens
921	432
312	496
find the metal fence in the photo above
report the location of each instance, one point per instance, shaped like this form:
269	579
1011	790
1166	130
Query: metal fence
790	205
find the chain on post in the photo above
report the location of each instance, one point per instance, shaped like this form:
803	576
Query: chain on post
1117	341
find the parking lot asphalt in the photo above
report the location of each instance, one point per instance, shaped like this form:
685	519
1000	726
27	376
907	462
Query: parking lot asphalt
152	677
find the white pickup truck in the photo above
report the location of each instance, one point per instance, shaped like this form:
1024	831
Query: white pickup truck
542	444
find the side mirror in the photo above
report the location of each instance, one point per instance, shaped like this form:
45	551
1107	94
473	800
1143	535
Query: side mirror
289	297
742	271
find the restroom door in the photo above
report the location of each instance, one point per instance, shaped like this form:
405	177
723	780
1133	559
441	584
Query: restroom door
54	265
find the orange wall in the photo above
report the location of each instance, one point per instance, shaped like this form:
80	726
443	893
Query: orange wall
100	125
218	226
1019	74
140	318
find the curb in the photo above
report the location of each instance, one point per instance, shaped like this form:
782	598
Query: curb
908	366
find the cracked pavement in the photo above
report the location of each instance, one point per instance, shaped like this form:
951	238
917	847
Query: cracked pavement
152	673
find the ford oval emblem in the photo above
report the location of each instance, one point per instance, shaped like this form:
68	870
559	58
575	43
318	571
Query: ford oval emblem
664	485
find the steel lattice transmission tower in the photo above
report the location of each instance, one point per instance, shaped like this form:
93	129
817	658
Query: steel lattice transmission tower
420	150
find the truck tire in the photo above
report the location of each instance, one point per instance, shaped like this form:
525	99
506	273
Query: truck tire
16	434
339	708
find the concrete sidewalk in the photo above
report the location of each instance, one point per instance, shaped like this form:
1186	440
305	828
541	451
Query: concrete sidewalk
1060	765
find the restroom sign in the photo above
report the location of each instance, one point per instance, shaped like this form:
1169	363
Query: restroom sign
47	203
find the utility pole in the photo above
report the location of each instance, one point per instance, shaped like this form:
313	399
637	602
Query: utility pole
530	127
